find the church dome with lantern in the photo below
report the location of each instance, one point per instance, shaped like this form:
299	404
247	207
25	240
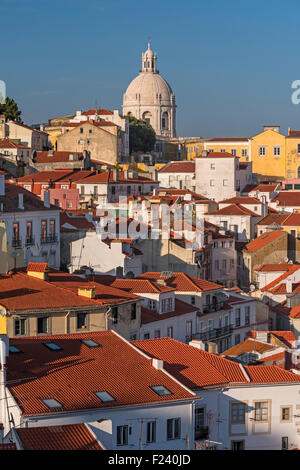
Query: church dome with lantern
150	98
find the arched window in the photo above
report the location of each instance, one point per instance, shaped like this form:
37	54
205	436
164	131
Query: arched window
165	121
147	117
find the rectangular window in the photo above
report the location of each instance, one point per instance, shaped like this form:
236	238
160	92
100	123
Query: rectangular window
247	315
238	411
237	339
237	445
52	229
42	325
152	304
225	182
224	224
222	150
284	443
114	315
151	432
81	190
133	311
276	151
262	151
81	130
44	230
261	411
16	234
173	428
19	326
113	190
285	414
122	435
233	152
193	300
212	182
170	331
217	264
189	329
244	152
212	166
157	334
238	317
81	320
95	190
298	148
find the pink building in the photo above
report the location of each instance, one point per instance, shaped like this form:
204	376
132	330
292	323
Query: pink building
64	198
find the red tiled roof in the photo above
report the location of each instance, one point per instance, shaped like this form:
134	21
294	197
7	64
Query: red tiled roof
179	167
273	218
293	134
8	446
45	176
29	128
20	292
292	268
229	139
196	368
288	198
241	200
92	122
183	282
115	367
140	286
57	157
274	267
31	202
233	209
80	223
108	177
286	337
218	155
249	345
293	220
66	437
100	112
37	267
265	188
263	240
8	144
181	308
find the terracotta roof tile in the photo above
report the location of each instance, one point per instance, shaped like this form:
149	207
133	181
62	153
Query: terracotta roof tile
66	437
181	308
115	366
179	167
263	240
183	282
249	345
287	198
233	209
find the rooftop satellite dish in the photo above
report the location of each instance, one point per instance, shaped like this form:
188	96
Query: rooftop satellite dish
286	259
252	287
290	261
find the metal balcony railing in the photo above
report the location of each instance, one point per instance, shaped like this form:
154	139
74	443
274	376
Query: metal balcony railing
29	241
213	334
49	239
16	242
213	307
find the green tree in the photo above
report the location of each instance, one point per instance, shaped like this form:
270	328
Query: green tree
10	110
141	135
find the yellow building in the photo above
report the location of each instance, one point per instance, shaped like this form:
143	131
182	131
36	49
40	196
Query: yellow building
268	154
239	146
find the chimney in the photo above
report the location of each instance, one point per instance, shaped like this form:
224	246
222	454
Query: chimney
289	131
42	127
88	291
50	153
47	199
4	349
289	286
21	201
197	344
158	364
204	153
115	174
38	270
78	113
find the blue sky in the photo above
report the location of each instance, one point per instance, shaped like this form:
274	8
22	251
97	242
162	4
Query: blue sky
230	63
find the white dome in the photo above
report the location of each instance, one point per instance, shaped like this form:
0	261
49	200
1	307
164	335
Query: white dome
147	89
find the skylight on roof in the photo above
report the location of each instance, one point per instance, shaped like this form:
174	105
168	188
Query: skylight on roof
52	403
90	343
161	390
13	349
52	346
104	396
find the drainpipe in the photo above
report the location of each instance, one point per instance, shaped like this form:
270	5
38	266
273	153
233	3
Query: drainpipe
107	312
66	323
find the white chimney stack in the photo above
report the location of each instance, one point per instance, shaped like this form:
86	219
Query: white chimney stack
158	364
289	286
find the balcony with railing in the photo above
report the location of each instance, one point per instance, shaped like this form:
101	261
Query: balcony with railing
213	307
16	242
29	241
49	239
213	334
